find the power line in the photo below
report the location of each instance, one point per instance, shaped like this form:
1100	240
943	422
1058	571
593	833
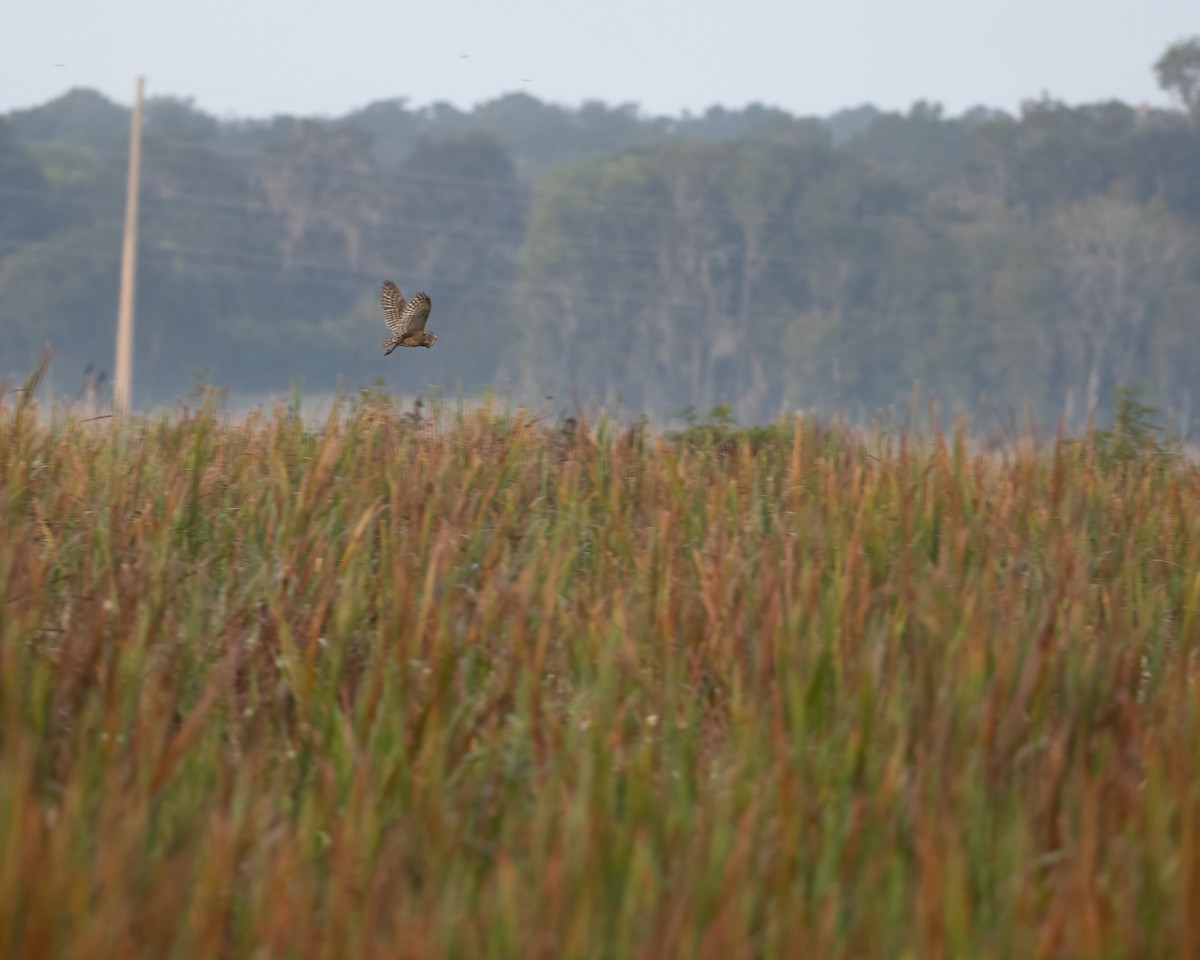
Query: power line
382	235
302	168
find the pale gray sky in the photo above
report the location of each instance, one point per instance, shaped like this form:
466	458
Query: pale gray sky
259	57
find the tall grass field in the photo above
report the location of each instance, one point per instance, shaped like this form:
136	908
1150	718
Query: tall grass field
478	685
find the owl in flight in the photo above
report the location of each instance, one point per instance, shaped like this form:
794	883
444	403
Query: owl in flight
406	318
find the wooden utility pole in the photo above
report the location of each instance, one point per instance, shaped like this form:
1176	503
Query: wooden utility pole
123	378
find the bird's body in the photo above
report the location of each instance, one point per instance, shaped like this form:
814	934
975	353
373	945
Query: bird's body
406	318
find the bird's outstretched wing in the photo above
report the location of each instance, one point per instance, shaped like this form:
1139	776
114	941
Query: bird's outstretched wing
415	314
394	305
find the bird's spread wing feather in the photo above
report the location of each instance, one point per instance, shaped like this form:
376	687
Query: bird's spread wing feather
394	307
415	314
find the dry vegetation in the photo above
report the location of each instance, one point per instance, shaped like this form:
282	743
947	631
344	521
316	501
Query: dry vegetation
509	691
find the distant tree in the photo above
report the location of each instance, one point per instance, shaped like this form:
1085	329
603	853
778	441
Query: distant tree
591	276
1059	154
1161	164
1179	73
1017	295
395	129
755	121
316	183
1115	258
79	117
175	118
458	225
922	149
62	291
761	187
27	211
847	124
540	136
543	137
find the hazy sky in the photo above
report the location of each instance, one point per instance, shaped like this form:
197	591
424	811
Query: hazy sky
259	57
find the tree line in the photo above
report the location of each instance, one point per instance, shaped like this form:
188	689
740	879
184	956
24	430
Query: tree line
742	257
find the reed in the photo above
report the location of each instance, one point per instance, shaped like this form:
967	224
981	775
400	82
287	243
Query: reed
477	686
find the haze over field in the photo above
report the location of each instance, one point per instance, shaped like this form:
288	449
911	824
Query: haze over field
1040	250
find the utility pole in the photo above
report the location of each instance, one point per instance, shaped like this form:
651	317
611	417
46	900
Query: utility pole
123	378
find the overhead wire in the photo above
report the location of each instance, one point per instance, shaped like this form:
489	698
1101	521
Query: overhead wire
312	168
217	205
208	203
